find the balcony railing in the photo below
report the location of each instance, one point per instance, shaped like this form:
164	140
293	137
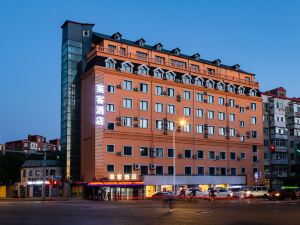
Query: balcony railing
188	69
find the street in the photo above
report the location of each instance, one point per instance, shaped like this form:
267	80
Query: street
81	212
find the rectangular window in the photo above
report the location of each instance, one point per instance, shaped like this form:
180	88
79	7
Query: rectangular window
232	132
233	171
222	155
222	131
171	92
253	106
254	134
158	90
144	151
211	129
242	109
200	154
242	123
171	153
232	155
199	113
110	168
110	89
127	85
210	114
159	152
144	123
211	155
144	170
199	129
178	64
221	101
159	59
187	95
127	103
127	150
231	102
194	68
221	116
144	105
199	97
231	117
159	107
170	170
253	120
243	155
122	51
243	170
187	111
110	126
212	171
200	170
111	49
171	125
110	107
144	87
159	170
110	148
223	171
127	121
188	170
210	99
187	128
141	55
159	124
188	154
171	109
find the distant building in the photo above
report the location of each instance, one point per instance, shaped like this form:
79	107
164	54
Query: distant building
32	178
281	135
34	143
2	147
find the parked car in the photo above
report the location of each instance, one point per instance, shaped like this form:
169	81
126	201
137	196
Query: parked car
163	195
282	194
198	193
239	192
220	193
257	191
294	188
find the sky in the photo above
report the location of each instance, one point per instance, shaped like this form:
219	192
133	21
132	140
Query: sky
262	36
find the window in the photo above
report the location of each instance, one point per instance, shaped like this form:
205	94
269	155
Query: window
127	85
242	123
253	106
187	170
188	154
222	155
110	88
159	152
122	51
231	117
177	63
233	171
232	132
187	95
171	92
110	148
253	120
187	128
243	155
210	114
170	170
186	79
241	90
141	55
127	121
199	113
210	84
144	87
212	171
111	48
144	151
171	125
110	126
231	88
254	134
221	101
170	75
210	99
252	92
127	169
144	105
200	170
187	111
243	170
159	107
194	68
211	129
200	154
199	129
255	159
159	170
158	90
110	63
52	172
159	124
144	123
221	86
127	67
222	131
221	116
231	102
110	107
223	171
232	155
242	109
159	73
199	81
159	60
211	155
171	153
199	97
171	109
85	33
110	168
127	150
127	103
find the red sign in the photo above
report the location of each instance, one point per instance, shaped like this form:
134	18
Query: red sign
272	148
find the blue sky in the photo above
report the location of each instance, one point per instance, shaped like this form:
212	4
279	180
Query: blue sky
262	36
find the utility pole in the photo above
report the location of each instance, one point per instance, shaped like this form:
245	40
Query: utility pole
44	176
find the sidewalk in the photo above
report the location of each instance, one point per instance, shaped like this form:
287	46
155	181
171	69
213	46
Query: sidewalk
40	199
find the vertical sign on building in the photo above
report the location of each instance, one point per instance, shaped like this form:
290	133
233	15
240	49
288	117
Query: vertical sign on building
99	104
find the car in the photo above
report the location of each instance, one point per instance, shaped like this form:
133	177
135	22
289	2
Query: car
257	191
198	193
163	195
220	193
239	192
296	189
282	194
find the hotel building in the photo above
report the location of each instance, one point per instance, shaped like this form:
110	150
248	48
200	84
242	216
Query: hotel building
145	109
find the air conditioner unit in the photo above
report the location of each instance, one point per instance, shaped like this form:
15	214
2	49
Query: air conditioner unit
217	157
205	100
136	89
135	118
194	156
119	153
152	166
136	125
178	97
119	86
137	166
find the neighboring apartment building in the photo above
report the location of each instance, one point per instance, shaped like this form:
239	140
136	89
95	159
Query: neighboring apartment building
33	143
281	135
133	96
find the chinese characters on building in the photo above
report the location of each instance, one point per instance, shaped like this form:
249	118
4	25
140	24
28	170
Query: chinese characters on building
99	104
122	177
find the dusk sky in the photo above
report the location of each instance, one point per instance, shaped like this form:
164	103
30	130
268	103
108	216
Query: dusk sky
262	36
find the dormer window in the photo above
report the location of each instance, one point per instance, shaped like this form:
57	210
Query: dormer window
117	36
210	83
252	92
241	90
186	79
196	56
110	63
85	33
143	70
127	67
236	67
158	46
170	75
217	62
221	86
231	88
199	81
140	42
176	51
158	72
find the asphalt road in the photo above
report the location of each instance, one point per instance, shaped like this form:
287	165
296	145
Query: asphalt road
80	212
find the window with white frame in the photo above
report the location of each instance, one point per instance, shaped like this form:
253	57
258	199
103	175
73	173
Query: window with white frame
211	129
171	109
187	111
158	90
221	101
222	116
231	102
127	67
110	88
159	124
186	79
187	127
171	125
232	132
252	92
144	105
110	107
210	114
159	107
110	63
187	95
210	84
127	121
143	70
158	72
199	113
170	75
242	109
199	81
253	120
171	92
199	97
221	86
127	103
231	88
159	152
222	131
242	123
127	85
199	129
144	87
253	106
241	90
144	123
210	99
231	117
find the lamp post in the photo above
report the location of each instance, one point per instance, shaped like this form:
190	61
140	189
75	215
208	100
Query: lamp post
181	123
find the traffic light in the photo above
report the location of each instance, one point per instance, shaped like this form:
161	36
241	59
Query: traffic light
272	148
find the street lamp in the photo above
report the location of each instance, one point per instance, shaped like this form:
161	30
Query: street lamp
181	123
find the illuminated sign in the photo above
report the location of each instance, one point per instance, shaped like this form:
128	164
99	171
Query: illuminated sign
122	177
37	182
115	183
99	104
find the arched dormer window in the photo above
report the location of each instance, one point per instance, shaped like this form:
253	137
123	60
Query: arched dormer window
221	86
158	72
143	70
186	79
199	81
231	88
127	67
252	92
241	90
110	63
170	75
210	83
